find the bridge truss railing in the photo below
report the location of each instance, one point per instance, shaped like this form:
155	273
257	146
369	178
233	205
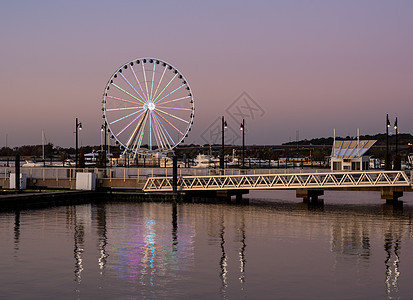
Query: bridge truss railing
365	179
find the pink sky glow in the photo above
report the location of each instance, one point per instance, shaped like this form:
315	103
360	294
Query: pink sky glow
310	66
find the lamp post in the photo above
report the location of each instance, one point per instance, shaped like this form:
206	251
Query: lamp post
387	165
396	160
242	128
106	144
78	127
103	128
223	127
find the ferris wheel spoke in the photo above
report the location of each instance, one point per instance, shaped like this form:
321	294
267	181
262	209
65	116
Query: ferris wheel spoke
143	130
146	83
118	87
136	77
174	100
130	124
160	132
150	131
164	135
173	116
123	108
157	134
141	136
153	78
165	88
178	108
134	113
120	99
131	85
164	70
170	123
159	121
133	138
170	93
139	130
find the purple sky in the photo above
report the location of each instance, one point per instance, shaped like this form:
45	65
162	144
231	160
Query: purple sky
311	66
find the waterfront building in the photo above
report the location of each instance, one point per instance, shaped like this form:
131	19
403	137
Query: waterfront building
351	155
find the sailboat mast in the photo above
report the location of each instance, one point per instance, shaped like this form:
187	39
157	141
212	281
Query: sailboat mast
43	142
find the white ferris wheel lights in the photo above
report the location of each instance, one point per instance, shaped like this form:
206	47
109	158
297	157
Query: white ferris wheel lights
150	106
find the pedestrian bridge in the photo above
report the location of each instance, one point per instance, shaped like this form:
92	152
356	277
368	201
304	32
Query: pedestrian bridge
363	180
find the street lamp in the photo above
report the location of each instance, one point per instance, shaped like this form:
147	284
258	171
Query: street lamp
395	128
103	128
78	127
242	128
387	143
396	161
223	127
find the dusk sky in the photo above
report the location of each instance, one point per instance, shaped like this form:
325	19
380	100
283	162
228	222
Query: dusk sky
307	66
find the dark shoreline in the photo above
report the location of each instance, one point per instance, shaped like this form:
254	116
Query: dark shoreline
11	200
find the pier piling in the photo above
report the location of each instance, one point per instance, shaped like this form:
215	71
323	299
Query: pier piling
391	195
309	195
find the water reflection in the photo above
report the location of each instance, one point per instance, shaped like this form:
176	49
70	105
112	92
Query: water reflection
241	252
16	232
76	218
351	239
155	244
79	241
147	244
392	245
223	261
158	249
101	236
174	227
150	250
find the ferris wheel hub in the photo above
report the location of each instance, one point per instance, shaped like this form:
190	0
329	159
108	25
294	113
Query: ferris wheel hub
151	106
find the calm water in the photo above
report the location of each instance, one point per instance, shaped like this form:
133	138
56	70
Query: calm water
276	248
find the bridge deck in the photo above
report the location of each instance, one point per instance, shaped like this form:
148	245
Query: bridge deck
326	180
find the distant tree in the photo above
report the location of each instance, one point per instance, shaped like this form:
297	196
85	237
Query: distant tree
63	156
5	151
317	155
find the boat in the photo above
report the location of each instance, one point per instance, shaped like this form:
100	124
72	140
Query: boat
33	163
205	161
168	162
91	159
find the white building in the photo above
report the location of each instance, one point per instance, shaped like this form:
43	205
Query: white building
351	155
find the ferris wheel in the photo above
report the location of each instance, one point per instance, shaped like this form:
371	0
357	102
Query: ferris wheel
148	106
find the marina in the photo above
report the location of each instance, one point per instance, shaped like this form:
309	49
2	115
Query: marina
206	150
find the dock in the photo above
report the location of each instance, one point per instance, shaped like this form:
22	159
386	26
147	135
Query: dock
76	186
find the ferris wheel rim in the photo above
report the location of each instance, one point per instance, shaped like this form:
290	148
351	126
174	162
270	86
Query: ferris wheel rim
149	105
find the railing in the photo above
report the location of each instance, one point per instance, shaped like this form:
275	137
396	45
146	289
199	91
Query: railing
62	173
160	179
124	173
367	179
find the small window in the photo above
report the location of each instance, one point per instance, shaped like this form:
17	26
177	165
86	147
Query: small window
337	165
355	165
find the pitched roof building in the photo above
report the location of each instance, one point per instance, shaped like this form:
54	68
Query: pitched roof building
351	155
